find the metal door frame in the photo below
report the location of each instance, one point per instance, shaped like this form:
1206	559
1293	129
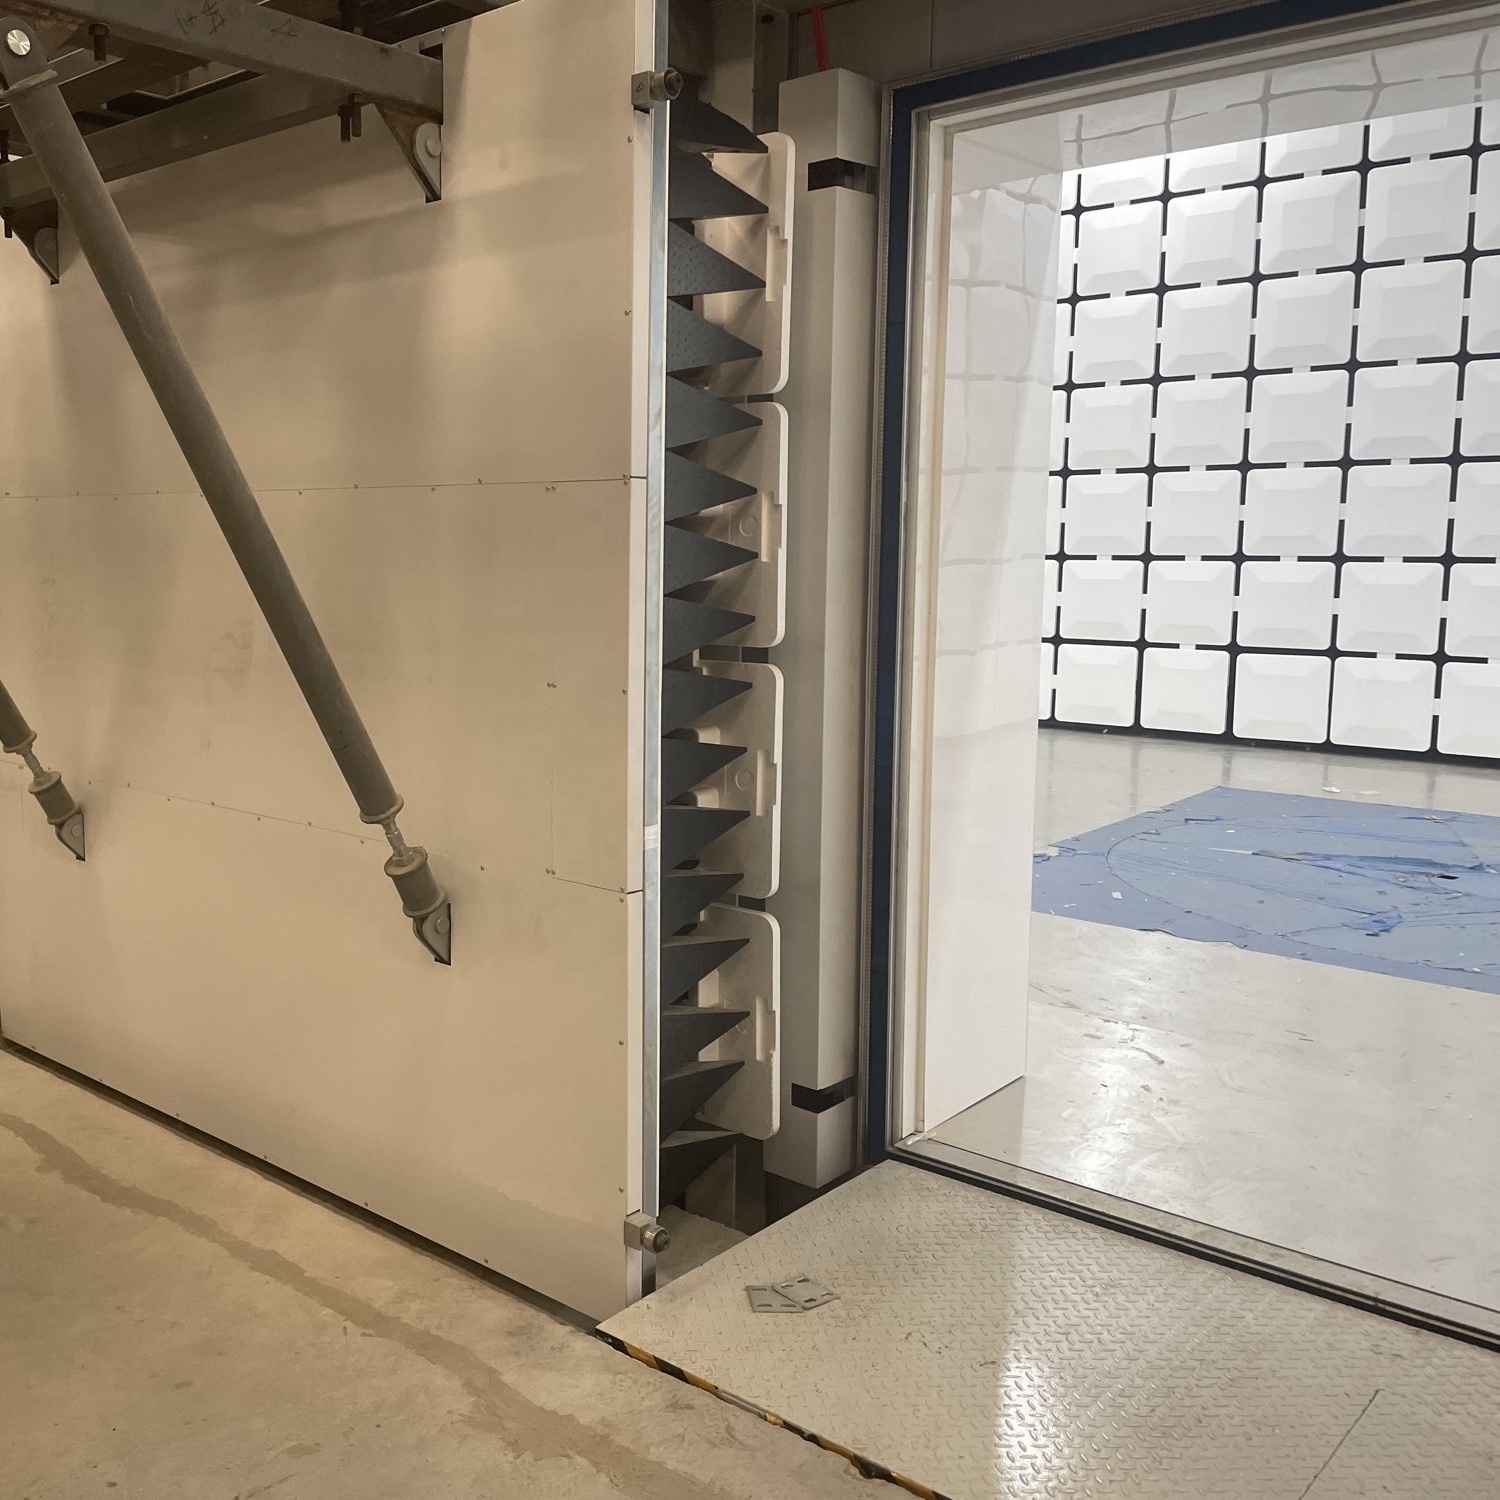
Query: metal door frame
1120	61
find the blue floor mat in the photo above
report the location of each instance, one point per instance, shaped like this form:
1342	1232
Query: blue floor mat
1393	890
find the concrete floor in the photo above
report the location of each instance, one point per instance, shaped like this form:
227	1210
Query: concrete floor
1349	1115
174	1323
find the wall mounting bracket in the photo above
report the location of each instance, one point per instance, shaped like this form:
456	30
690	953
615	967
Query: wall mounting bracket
17	737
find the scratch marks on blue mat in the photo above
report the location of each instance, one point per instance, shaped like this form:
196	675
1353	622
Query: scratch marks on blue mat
1391	890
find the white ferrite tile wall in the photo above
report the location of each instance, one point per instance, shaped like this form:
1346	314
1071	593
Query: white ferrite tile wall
1275	508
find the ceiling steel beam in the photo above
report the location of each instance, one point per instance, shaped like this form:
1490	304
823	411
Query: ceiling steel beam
88	85
261	40
241	112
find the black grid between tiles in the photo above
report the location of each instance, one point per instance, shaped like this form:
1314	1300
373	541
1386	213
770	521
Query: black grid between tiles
1411	735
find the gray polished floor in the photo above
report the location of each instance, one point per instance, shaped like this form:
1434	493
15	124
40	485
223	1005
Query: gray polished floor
1352	1116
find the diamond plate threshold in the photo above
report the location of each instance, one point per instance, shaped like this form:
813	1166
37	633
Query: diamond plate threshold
985	1349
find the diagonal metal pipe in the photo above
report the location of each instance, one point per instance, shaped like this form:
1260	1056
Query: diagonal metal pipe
17	737
43	115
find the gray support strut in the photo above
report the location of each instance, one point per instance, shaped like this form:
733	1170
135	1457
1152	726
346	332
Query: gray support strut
60	151
17	738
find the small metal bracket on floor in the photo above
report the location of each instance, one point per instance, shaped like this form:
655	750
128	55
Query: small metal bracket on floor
421	143
17	737
800	1294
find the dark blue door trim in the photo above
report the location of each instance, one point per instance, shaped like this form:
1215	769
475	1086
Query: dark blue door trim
1251	22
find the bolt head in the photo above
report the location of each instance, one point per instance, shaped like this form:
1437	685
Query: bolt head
18	42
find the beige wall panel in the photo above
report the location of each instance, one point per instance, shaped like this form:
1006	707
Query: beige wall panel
348	332
437	407
254	978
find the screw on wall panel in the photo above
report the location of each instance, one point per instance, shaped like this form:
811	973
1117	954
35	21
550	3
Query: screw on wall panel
650	88
642	1232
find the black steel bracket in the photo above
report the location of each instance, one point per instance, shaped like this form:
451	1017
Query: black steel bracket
36	226
421	143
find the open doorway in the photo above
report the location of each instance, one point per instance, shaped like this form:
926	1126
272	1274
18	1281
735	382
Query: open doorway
1206	380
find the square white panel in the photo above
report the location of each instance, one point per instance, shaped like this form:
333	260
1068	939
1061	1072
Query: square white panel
1104	515
1304	320
1281	698
1121	181
1390	607
1429	61
1292	512
1051	591
1411	311
997	336
1421	134
1404	411
1383	704
1286	604
1054	513
1057	434
1298	418
957	351
1044	683
1215	166
1101	601
1185	690
1397	510
998	251
1096	684
1119	249
1062	343
1110	428
1484	306
1469	713
1190	603
1114	338
1487	203
1473	610
1212	237
1200	421
1067	254
1314	150
1195	515
1476	518
1206	330
1419	208
1309	223
1480	430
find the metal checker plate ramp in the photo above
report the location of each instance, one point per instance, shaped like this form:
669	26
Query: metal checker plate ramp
983	1349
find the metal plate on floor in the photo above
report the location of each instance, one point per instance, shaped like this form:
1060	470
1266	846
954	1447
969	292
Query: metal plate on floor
984	1349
